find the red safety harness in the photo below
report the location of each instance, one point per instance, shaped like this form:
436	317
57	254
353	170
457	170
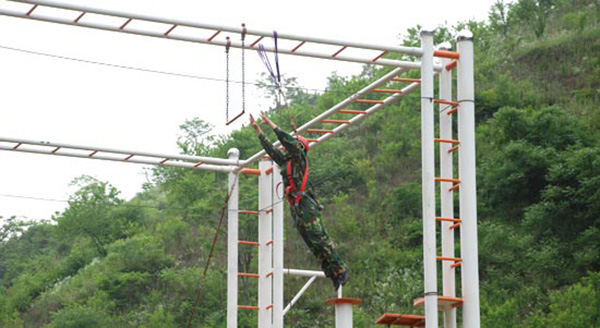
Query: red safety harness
292	189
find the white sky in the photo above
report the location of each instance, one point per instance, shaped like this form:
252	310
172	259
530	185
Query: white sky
49	99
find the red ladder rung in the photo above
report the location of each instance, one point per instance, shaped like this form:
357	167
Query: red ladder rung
251	243
249	275
336	121
351	111
447	180
388	90
449	220
406	79
369	101
456	186
446	102
446	258
454	226
452	111
318	131
248	307
451	141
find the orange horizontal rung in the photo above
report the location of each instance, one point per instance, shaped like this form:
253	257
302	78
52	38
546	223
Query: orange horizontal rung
445	258
248	212
336	121
251	243
270	274
445	102
452	111
368	101
250	275
447	180
388	90
250	172
449	220
248	307
270	306
456	186
446	54
454	226
456	265
351	111
406	79
312	140
452	141
270	242
318	131
451	65
453	149
269	171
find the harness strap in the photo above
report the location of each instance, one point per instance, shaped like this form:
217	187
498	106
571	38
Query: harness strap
298	194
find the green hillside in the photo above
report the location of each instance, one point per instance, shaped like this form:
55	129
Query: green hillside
106	262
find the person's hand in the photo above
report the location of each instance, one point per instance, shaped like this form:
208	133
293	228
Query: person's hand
255	125
266	119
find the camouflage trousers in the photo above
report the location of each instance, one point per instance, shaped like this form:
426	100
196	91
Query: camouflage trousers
307	219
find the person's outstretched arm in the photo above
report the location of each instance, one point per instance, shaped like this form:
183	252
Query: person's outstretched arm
276	154
287	140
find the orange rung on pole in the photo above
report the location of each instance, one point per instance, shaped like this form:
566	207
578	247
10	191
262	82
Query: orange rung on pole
406	79
248	212
269	171
445	258
249	275
456	265
250	172
447	180
445	102
368	101
454	226
351	111
248	307
446	54
449	220
456	186
336	121
452	111
312	140
387	90
452	141
452	64
251	243
270	242
269	307
453	149
318	131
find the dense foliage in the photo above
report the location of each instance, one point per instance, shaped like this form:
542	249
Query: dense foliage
106	261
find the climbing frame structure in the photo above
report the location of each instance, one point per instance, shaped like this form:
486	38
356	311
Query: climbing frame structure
381	92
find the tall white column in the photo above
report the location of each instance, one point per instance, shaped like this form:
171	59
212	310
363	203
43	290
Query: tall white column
446	196
278	202
428	171
468	188
232	243
265	247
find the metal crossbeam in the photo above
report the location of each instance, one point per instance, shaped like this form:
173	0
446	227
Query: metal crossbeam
211	32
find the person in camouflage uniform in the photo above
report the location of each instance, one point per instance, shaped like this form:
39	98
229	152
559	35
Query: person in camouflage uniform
305	210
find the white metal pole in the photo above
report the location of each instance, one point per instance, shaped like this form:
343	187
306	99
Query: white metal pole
265	247
232	243
428	171
446	195
468	188
278	242
343	315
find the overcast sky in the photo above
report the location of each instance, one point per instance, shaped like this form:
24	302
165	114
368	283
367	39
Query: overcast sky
49	99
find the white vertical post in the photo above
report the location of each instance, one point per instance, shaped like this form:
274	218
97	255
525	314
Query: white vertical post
428	171
232	243
446	196
265	247
278	240
466	169
343	315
